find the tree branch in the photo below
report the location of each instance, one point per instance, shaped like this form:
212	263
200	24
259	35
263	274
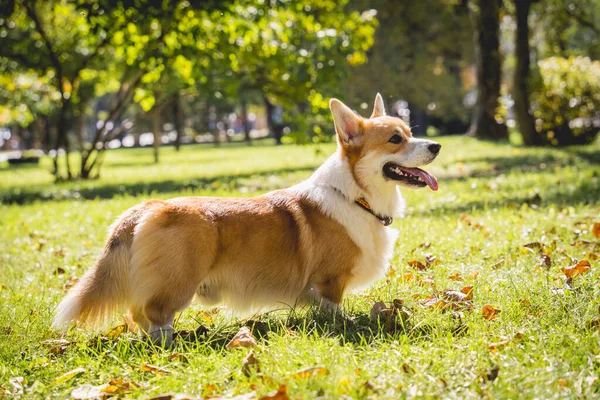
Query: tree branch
51	53
581	19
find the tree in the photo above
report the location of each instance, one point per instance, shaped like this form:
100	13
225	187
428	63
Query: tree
486	21
39	38
521	78
420	54
289	51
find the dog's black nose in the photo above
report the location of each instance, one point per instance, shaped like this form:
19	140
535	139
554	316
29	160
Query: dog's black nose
434	148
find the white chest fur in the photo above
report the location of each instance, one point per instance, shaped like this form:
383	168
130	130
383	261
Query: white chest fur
333	187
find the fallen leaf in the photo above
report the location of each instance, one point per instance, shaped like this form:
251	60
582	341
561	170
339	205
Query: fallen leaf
250	365
431	260
468	290
376	309
562	382
116	331
473	274
178	357
243	338
85	392
545	260
518	337
534	246
498	264
453	295
489	312
455	277
492	374
409	276
417	264
68	375
427	281
596	229
310	372
281	394
176	396
499	345
59	271
389	315
151	368
57	346
581	267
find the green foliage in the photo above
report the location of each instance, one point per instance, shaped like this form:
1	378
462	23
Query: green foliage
421	50
566	102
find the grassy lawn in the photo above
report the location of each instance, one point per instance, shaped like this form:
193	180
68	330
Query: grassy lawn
493	199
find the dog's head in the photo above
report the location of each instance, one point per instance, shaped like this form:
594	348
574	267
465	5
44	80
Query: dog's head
381	149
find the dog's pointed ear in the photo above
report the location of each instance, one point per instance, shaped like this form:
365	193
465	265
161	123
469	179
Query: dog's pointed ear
379	107
347	124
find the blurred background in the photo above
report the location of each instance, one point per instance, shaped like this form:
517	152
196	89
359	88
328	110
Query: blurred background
79	78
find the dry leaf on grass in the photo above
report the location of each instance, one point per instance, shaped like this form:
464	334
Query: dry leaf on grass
310	372
57	346
431	260
68	375
468	290
174	396
580	268
86	392
518	337
534	246
473	274
179	358
117	331
454	296
417	265
151	368
596	229
489	312
281	394
456	277
250	365
492	374
408	277
562	382
389	315
243	338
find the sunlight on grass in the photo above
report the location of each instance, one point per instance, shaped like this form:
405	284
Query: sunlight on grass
493	199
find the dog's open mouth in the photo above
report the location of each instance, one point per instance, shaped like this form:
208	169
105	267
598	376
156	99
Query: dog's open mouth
410	176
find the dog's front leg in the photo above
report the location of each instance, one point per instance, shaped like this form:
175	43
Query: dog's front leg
327	295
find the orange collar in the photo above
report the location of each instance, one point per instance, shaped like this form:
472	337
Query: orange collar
364	204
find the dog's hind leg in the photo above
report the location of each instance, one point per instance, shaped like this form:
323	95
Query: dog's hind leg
170	258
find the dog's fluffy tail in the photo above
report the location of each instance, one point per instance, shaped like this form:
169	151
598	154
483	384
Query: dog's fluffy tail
106	286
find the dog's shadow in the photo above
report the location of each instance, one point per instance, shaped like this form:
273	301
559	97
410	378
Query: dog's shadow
357	329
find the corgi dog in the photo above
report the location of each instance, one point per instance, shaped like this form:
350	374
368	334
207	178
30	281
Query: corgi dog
312	242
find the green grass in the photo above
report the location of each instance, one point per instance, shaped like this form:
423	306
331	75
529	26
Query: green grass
493	199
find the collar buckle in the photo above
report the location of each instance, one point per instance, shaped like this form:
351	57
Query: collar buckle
364	204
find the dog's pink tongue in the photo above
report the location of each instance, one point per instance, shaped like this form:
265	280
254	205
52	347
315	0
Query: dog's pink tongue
427	177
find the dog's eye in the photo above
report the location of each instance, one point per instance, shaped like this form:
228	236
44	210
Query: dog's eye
396	139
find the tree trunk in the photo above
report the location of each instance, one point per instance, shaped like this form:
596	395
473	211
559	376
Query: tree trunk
156	130
177	119
80	128
521	78
487	52
275	129
245	122
62	141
